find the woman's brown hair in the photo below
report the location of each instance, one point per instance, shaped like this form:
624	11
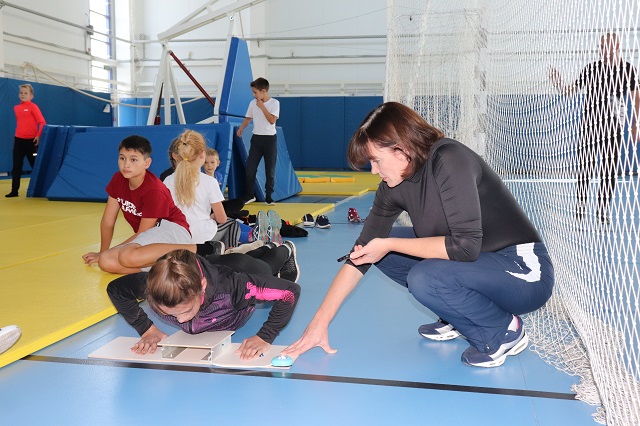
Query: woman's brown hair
394	126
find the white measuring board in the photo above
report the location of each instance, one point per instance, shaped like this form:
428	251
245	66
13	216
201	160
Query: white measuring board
212	348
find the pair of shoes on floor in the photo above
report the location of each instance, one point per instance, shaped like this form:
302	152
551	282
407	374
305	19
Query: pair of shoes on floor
321	221
209	248
514	342
267	227
353	216
8	336
11	195
290	270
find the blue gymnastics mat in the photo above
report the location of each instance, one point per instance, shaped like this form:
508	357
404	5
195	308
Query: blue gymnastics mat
91	157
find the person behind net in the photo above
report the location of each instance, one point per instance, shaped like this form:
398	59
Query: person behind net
606	83
471	256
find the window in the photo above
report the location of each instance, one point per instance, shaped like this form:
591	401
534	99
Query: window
101	47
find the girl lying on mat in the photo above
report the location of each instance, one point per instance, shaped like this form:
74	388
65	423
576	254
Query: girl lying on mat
211	294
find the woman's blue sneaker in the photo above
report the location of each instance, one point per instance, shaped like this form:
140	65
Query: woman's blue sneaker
439	330
515	341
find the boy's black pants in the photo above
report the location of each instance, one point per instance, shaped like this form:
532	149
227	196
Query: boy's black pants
261	146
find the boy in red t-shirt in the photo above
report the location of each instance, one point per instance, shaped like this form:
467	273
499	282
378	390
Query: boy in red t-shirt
147	206
29	125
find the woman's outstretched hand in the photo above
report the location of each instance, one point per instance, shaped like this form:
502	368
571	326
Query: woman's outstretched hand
314	335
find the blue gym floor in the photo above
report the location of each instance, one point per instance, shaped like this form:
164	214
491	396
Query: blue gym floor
384	372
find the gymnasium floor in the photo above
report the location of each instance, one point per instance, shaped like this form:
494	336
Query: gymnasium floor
383	374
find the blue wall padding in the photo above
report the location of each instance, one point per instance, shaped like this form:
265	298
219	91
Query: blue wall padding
356	108
291	123
286	180
319	128
536	145
92	157
236	90
132	116
323	143
59	105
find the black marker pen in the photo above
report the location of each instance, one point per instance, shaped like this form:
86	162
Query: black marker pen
345	257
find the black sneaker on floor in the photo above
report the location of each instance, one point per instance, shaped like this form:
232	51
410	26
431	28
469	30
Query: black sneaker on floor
11	195
269	201
307	221
290	270
322	222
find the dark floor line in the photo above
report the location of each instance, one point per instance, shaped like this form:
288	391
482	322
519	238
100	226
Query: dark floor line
308	377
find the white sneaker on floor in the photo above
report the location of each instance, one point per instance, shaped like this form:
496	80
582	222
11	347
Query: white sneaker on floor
8	336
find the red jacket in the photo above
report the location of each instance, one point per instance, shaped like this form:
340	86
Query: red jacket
29	119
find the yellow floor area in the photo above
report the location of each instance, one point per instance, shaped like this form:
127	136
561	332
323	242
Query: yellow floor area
45	287
362	182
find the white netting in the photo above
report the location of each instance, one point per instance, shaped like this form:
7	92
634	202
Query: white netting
483	72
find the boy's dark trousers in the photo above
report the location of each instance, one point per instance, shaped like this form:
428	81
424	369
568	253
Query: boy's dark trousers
21	148
261	146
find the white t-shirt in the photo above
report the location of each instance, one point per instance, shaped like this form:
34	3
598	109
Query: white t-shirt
260	124
198	215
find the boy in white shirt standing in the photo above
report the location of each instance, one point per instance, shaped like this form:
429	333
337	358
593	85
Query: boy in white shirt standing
264	111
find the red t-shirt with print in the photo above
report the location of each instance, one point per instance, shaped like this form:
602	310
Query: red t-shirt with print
150	200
